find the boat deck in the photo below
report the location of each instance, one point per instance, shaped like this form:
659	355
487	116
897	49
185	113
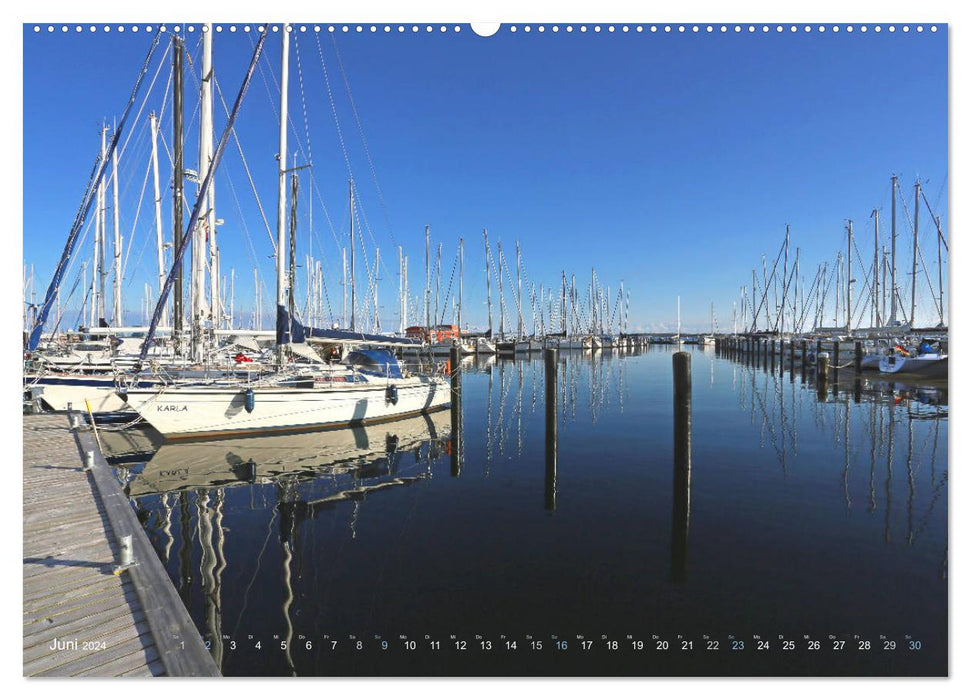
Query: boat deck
80	618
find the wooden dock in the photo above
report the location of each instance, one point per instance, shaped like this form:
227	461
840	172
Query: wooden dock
99	622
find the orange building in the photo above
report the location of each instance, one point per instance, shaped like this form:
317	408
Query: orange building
437	334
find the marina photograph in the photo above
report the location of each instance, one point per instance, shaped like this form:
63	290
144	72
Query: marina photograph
519	350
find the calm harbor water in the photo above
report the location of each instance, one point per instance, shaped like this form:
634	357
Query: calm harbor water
392	550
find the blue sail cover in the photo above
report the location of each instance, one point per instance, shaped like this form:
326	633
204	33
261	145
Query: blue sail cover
290	330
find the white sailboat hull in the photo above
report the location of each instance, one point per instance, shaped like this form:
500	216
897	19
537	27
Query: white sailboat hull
930	365
101	399
196	411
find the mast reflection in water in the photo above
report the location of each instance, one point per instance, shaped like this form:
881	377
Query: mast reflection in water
811	513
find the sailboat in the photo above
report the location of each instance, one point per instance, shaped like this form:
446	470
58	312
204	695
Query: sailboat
371	386
709	339
926	360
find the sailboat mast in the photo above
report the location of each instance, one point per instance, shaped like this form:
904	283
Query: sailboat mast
344	287
785	284
849	276
502	302
178	183
893	250
876	269
401	292
439	313
159	242
428	282
563	302
913	279
461	269
350	188
281	212
519	283
116	318
202	227
940	269
291	288
485	237
103	243
205	117
377	267
679	319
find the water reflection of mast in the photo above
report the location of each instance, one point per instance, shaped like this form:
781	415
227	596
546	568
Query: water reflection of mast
846	454
910	478
872	505
551	358
886	525
185	548
286	493
681	482
519	412
167	527
207	568
488	436
218	573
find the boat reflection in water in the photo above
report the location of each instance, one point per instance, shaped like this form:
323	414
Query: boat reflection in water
195	494
360	452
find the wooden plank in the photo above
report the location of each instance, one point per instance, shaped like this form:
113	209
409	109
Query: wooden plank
75	609
68	594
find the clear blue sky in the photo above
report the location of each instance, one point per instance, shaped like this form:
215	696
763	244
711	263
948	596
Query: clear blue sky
669	161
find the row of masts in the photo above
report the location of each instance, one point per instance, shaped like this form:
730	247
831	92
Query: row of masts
800	309
207	306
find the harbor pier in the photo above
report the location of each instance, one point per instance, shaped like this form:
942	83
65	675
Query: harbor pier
97	601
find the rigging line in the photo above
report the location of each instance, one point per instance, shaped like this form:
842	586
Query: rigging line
333	107
343	144
766	293
162	62
131	236
448	290
940	230
242	220
930	286
249	176
314	186
306	128
920	253
360	129
57	321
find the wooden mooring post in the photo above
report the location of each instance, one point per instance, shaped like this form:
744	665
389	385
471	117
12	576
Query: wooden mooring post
822	374
859	356
681	506
551	360
835	367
